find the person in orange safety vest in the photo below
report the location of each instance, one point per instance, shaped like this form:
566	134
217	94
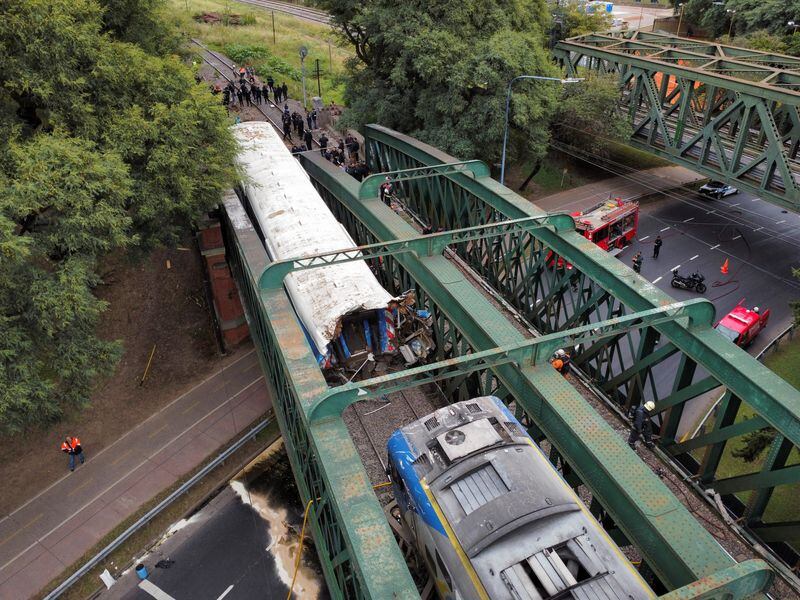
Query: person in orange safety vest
72	446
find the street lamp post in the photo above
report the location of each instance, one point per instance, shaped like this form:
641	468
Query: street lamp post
508	108
680	19
732	13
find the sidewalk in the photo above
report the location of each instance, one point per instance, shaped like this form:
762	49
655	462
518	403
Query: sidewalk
47	534
652	180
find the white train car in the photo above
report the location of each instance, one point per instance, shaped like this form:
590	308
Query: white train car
345	312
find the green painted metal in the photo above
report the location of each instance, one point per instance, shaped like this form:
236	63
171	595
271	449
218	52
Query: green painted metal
358	553
598	287
274	273
476	168
529	352
645	510
739	581
730	113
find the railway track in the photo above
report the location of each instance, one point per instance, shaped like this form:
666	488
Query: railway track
303	12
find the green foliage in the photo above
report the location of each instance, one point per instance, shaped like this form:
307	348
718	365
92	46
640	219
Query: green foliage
587	116
262	59
439	70
754	444
579	22
795	304
757	24
107	143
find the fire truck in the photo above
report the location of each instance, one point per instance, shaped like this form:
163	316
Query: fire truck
611	225
742	325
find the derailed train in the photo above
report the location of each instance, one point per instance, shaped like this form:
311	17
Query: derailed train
491	516
352	323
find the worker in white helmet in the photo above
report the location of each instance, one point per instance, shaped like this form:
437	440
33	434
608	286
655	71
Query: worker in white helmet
642	425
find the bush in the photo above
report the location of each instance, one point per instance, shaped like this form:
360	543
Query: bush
244	54
274	66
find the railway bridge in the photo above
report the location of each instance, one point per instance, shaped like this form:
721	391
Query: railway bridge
730	113
633	341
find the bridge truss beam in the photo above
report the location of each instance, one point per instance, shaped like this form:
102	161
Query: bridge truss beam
668	363
647	513
730	113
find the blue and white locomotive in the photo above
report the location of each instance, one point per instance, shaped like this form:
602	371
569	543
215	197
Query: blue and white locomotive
491	516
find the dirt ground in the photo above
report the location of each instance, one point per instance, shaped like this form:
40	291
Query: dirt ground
150	304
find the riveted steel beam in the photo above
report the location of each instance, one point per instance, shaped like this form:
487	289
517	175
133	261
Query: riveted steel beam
370	185
427	245
679	551
530	352
739	581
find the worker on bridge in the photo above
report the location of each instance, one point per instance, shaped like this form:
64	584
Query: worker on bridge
72	446
642	425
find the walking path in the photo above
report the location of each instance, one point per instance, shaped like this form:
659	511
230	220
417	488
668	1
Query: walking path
637	184
47	534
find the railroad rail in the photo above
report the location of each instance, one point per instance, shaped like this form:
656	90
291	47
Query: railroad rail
303	12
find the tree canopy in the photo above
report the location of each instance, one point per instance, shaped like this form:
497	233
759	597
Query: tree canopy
439	70
107	142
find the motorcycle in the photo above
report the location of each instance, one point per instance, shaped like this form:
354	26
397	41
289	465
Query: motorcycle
692	282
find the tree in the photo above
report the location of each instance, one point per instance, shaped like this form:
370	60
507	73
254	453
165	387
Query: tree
107	143
587	116
439	70
747	17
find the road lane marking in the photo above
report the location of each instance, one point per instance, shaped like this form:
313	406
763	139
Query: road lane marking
737	204
657	279
644	238
695	256
736	238
155	591
779	222
153	434
675	268
121	456
715	247
19	529
755	199
689	219
759	229
665	228
711	212
225	593
190	407
80	487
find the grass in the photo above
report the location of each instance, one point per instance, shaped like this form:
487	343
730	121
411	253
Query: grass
283	62
637	159
123	556
786	361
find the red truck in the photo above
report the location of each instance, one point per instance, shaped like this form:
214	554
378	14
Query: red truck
742	325
611	225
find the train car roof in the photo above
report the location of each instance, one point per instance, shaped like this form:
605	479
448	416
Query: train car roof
524	531
296	222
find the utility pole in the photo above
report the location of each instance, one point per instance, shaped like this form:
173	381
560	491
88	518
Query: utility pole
303	54
317	73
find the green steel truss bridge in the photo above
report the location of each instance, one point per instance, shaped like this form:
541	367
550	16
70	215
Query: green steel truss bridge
730	113
635	343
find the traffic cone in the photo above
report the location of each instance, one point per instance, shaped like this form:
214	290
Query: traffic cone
724	268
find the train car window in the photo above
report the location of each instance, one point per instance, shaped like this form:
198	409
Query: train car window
445	573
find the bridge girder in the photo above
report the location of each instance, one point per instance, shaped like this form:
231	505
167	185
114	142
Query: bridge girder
729	113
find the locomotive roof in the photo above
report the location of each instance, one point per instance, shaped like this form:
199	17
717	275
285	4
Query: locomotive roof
605	212
518	522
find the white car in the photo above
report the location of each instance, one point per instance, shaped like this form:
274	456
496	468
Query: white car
718	189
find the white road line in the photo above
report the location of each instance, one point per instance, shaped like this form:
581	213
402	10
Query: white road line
711	212
155	591
779	222
689	219
675	268
755	199
737	204
759	229
665	228
695	256
715	247
225	593
736	238
644	238
657	279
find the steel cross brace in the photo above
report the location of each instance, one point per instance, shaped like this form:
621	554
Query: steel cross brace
370	185
531	352
742	580
426	245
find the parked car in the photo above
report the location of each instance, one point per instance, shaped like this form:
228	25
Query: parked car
718	189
